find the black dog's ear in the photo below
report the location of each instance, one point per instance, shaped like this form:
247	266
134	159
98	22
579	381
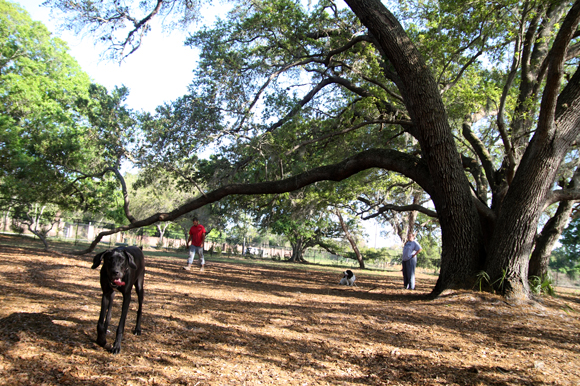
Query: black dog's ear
97	259
130	260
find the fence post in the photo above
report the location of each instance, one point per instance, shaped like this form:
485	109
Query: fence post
77	232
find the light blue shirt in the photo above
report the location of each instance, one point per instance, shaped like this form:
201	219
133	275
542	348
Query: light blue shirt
409	248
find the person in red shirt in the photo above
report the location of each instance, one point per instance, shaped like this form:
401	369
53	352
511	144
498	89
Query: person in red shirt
195	244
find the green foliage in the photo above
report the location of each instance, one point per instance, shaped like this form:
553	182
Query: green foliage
249	60
156	196
38	219
500	281
17	228
242	230
542	285
122	20
451	50
304	218
566	259
113	122
430	256
570	240
48	146
283	87
482	280
381	255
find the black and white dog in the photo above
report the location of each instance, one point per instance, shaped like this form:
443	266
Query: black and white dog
123	268
348	278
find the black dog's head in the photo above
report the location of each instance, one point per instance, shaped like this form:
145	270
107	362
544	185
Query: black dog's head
348	274
115	263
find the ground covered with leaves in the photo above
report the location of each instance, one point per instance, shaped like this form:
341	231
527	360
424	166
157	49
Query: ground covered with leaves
273	324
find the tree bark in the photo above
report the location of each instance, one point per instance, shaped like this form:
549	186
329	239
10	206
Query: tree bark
161	230
462	251
547	239
551	232
297	250
558	127
351	240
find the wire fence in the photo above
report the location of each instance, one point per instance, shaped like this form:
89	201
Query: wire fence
77	231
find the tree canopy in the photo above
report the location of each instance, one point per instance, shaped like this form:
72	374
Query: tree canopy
54	139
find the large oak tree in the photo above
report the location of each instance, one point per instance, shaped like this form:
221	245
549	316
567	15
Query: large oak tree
488	203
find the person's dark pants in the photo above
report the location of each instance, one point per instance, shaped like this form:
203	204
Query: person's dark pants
409	273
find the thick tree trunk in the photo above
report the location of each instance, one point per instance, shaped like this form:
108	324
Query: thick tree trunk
516	226
297	251
558	127
462	251
351	240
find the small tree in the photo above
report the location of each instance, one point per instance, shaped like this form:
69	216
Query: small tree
39	219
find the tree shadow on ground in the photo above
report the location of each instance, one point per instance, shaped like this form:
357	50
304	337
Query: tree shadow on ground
236	324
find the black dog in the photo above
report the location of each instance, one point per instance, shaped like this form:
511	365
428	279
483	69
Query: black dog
123	268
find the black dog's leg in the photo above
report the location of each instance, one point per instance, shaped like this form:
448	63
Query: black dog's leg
126	301
104	318
140	293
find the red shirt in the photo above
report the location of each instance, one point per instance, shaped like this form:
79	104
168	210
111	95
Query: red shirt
196	234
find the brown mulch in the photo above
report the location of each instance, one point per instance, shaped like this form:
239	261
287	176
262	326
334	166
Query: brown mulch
239	324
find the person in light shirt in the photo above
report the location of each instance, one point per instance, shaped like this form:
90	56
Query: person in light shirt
410	252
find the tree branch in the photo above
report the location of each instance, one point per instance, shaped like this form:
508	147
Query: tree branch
572	192
344	131
482	154
402	208
555	73
501	124
562	195
123	187
408	165
272	76
349	44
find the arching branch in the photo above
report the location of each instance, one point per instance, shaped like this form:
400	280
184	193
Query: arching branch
557	58
402	208
405	164
119	177
482	154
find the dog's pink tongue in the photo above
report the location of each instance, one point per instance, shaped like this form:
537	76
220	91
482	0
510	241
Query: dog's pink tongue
119	282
